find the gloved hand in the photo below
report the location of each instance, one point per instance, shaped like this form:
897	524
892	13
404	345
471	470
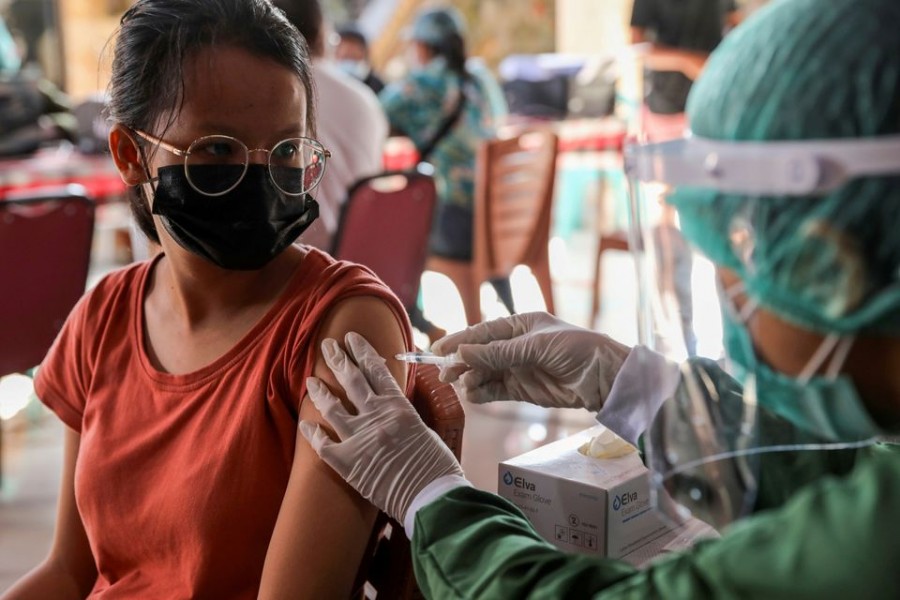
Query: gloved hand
386	452
533	357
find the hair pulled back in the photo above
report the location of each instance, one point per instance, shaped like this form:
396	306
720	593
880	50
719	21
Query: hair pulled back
154	39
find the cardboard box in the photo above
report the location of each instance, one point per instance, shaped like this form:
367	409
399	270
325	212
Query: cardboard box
584	504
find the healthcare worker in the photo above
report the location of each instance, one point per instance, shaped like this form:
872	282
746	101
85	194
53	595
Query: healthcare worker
790	185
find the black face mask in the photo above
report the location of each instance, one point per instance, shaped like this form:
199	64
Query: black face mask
243	229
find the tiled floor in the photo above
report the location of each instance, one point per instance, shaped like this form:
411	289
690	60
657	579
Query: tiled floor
32	462
32	439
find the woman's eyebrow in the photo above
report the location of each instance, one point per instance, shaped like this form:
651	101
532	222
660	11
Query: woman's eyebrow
292	131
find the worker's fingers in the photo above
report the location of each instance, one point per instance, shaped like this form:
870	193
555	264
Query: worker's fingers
355	384
498	355
451	373
316	437
489	391
499	329
330	406
372	365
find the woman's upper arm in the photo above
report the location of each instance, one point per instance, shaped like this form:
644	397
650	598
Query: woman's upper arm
69	570
324	525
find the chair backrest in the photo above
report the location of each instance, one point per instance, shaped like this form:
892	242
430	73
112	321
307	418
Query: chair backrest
385	224
388	569
45	248
513	202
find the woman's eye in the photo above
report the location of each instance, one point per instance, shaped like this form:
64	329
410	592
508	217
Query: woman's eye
218	149
286	150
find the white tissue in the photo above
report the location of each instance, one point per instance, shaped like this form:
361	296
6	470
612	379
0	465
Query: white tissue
606	445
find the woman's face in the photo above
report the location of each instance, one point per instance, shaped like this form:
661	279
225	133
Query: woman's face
417	55
230	91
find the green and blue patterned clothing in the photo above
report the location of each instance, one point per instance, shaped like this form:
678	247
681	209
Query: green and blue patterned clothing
417	106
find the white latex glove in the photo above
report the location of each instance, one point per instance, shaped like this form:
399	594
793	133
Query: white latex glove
386	452
533	357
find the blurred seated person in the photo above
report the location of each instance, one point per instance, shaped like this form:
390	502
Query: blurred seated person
447	110
351	123
352	56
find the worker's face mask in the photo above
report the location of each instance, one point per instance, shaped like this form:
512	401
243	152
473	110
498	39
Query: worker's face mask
826	405
242	229
709	445
731	415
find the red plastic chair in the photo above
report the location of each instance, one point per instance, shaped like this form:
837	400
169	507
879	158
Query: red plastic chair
45	249
385	224
514	184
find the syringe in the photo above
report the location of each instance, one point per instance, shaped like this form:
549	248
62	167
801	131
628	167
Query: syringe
427	358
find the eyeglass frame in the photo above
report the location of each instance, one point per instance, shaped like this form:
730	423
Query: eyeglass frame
326	153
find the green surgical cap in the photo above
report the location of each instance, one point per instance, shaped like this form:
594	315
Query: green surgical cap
806	70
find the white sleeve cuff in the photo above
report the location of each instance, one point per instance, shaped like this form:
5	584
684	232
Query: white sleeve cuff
429	494
645	380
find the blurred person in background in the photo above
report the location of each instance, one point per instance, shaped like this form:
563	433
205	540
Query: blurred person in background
181	379
29	19
678	36
9	54
808	264
352	56
447	110
351	123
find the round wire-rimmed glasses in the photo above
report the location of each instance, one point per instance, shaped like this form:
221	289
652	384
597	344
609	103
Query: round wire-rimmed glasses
295	165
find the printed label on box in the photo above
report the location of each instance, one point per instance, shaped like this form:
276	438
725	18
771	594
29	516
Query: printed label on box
583	504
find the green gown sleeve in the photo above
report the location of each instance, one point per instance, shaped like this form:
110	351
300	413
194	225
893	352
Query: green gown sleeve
835	538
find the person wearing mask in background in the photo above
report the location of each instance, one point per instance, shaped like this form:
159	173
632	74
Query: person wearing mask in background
679	37
447	111
800	218
352	56
181	379
351	123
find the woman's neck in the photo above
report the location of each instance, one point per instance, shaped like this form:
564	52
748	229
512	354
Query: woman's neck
197	292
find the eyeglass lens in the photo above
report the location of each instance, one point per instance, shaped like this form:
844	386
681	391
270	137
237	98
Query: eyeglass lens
296	165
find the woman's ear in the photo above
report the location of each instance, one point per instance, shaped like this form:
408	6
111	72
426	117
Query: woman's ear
126	155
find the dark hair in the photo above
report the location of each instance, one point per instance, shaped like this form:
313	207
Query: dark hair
156	36
306	16
453	49
351	32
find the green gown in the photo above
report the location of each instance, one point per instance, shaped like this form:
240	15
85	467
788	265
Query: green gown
822	535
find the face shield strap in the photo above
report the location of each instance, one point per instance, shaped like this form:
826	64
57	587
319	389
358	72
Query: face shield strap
743	314
835	343
802	168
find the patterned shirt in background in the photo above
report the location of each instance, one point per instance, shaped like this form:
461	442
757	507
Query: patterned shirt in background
418	105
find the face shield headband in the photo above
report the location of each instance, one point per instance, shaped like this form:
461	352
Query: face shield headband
803	168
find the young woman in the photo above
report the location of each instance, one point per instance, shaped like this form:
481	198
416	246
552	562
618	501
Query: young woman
181	379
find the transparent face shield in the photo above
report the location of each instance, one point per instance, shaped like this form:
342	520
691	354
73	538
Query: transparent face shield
715	441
